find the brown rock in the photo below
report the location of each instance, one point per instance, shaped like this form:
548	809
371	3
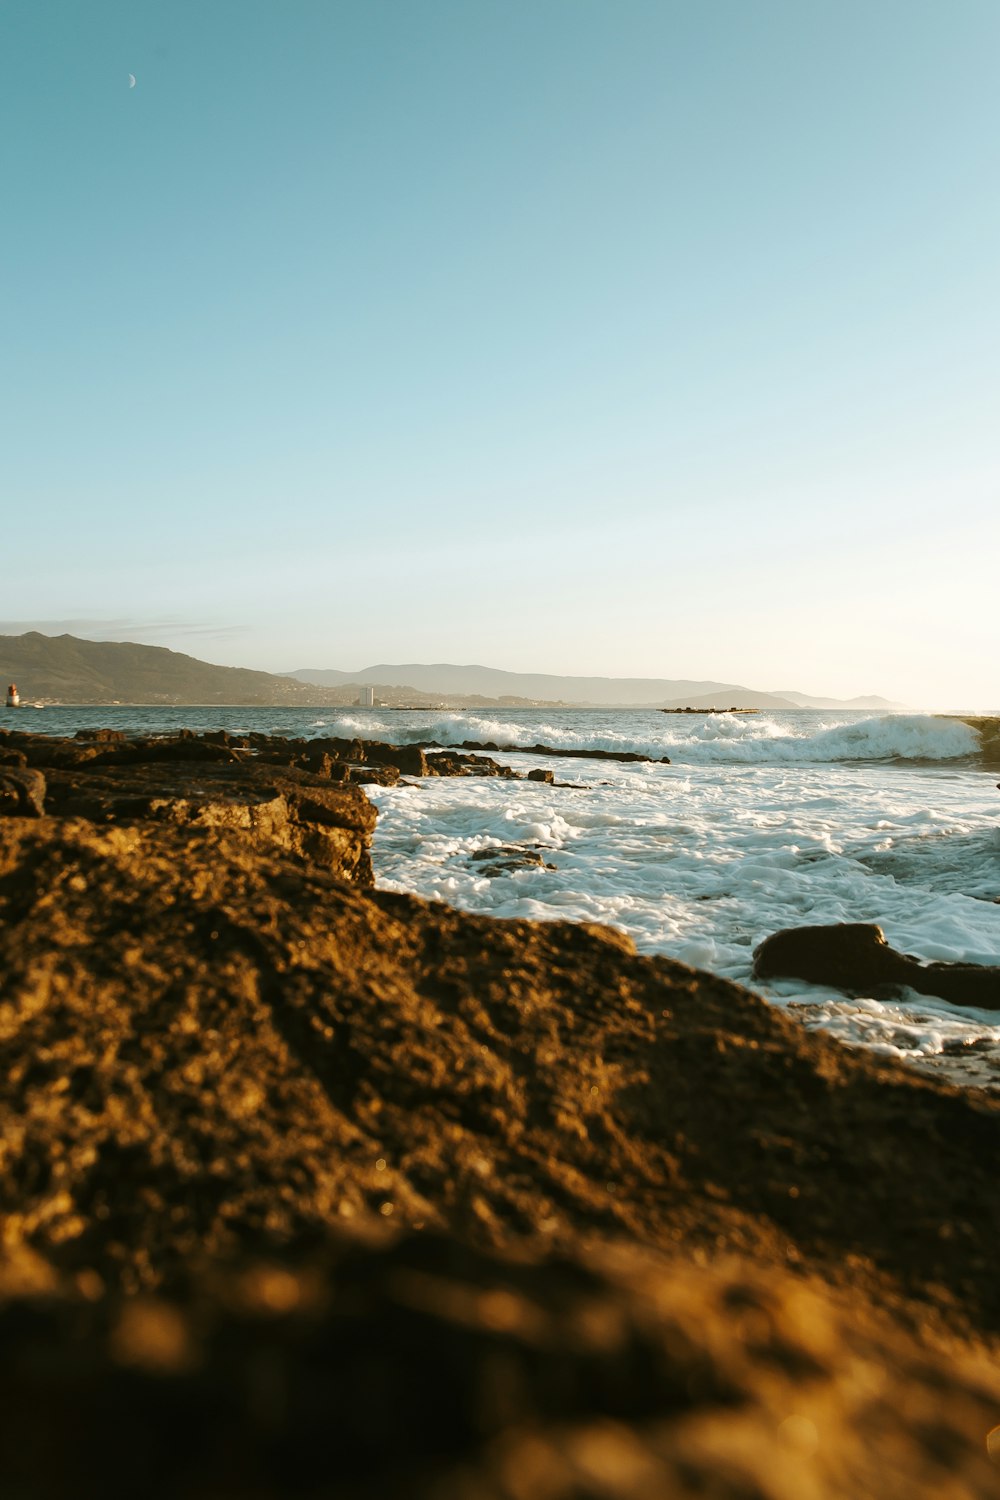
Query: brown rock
649	1238
22	792
420	1368
856	956
454	763
280	810
502	858
409	759
110	747
209	1044
619	755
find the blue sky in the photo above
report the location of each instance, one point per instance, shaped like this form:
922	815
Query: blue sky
629	338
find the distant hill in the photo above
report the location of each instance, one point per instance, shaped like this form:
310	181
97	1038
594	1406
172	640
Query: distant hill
879	705
446	679
64	669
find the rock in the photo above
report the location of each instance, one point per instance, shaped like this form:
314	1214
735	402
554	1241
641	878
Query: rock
181	748
337	748
619	755
408	759
315	1190
372	775
538	774
22	793
209	1044
502	858
277	809
380	1367
454	763
42	751
361	762
856	956
110	747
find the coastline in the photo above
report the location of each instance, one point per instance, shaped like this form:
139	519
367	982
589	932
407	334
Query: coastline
245	1082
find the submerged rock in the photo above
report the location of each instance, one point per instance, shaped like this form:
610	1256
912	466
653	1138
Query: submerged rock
856	956
577	754
500	859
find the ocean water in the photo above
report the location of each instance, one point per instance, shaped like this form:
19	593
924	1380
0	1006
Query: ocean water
759	822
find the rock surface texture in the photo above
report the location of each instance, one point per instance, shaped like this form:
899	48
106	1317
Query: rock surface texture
314	1190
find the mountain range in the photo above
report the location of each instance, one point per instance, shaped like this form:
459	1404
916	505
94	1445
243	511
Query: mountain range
67	669
598	692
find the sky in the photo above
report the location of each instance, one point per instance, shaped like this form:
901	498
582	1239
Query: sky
620	337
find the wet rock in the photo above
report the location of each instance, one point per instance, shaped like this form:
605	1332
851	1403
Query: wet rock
624	756
372	775
538	774
502	858
856	956
335	746
363	762
410	760
454	763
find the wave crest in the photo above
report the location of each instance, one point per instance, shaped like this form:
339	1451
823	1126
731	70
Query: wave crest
716	739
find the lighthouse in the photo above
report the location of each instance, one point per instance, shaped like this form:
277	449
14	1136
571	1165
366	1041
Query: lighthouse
13	696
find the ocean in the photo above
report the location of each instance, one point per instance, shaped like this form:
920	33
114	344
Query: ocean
759	822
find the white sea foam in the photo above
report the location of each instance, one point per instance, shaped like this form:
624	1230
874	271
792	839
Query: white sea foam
703	864
696	739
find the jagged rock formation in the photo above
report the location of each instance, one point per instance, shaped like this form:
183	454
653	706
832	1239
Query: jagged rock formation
194	784
856	956
310	1189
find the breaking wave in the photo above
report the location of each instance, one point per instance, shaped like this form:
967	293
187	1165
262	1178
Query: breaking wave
715	739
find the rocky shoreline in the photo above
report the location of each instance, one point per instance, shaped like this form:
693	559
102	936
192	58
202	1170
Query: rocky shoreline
311	1189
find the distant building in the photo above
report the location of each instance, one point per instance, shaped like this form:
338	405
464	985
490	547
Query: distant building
366	698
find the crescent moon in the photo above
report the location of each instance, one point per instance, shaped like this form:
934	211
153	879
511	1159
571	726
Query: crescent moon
131	80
